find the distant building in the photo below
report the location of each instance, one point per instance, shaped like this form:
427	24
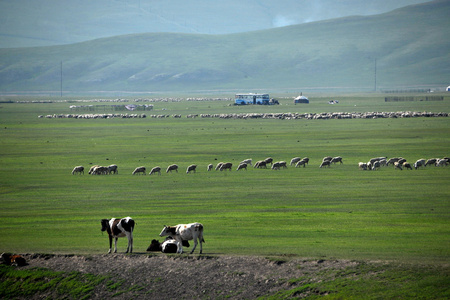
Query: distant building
301	99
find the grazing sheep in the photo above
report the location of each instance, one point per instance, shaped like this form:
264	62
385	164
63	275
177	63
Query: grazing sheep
276	166
306	159
113	169
172	168
300	163
210	167
283	164
441	162
419	163
362	166
295	160
219	165
407	165
383	162
397	165
401	161
393	160
92	169
242	166
100	170
326	163
247	161
191	168
372	160
260	164
155	170
268	160
139	170
225	166
431	161
376	165
78	169
336	159
327	158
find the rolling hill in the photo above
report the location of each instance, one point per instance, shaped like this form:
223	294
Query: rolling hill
56	22
409	45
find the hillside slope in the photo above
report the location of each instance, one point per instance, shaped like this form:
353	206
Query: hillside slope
410	47
25	23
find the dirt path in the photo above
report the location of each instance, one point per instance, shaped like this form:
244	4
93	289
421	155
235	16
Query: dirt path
189	277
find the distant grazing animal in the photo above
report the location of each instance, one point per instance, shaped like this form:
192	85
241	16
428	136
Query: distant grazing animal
372	160
185	232
78	169
407	165
171	168
376	165
431	161
92	169
247	161
139	170
300	163
276	166
295	160
155	170
218	166
393	160
401	161
260	164
117	228
242	166
113	169
419	163
210	167
306	160
325	163
283	164
327	158
397	165
226	166
191	168
362	166
155	245
268	160
336	159
100	170
441	162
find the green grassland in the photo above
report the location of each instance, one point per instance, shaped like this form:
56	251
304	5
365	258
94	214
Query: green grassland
337	212
398	218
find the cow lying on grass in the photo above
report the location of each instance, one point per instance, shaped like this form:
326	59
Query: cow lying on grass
169	245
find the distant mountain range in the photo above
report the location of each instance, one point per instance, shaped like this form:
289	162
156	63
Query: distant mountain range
407	47
25	23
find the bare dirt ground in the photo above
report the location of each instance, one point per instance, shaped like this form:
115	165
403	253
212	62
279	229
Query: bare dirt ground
160	276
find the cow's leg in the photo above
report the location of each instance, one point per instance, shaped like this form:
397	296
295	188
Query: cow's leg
110	244
130	242
180	245
115	245
201	244
195	245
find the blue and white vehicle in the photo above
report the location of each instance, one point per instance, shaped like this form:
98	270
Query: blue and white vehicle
251	98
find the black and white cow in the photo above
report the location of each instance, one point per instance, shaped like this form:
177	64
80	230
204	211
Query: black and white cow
185	232
117	228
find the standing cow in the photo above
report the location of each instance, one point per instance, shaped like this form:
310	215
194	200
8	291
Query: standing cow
117	228
185	232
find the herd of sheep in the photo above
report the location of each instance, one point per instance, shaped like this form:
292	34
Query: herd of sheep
400	163
283	116
373	164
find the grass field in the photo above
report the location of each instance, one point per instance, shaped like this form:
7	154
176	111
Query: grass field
340	212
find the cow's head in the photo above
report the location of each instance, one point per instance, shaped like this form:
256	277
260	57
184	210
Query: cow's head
105	224
168	230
